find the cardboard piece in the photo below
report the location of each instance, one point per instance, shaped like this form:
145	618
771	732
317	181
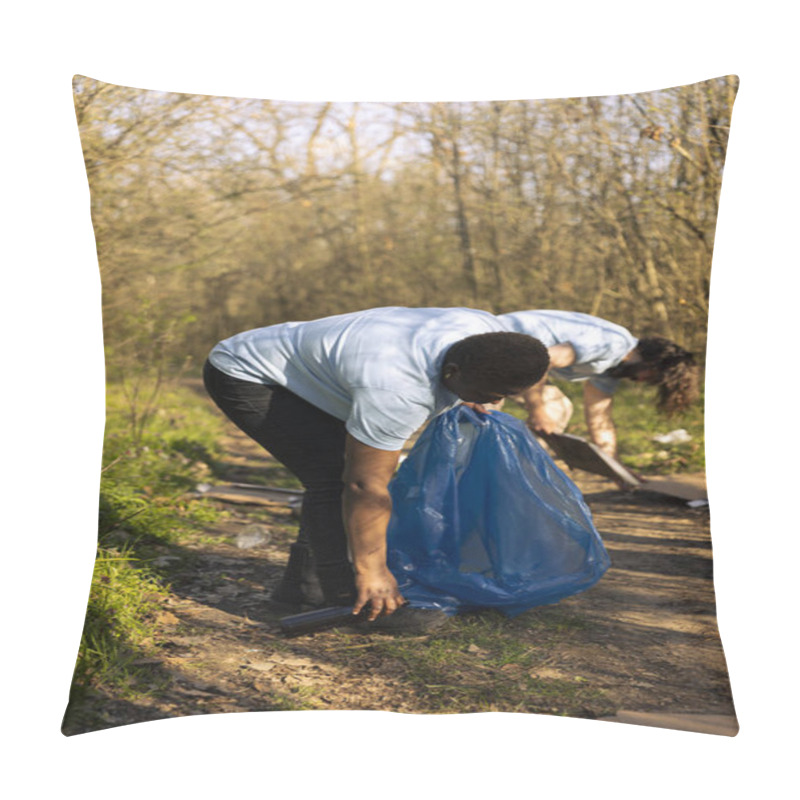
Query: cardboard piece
578	453
686	486
719	724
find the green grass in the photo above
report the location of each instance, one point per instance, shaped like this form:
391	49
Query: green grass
120	624
146	477
143	510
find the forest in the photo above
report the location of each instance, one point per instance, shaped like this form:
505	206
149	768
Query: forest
213	215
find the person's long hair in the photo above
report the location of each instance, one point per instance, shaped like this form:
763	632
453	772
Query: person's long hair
678	380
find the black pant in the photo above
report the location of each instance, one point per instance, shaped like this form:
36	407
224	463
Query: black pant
311	444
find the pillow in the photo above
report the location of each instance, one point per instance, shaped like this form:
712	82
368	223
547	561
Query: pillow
585	222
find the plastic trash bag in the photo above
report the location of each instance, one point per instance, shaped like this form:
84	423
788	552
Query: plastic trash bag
483	518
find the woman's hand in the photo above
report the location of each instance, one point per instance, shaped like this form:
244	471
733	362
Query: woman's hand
378	589
539	421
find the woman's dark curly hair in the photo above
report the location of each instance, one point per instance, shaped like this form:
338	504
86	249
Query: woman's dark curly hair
501	360
678	376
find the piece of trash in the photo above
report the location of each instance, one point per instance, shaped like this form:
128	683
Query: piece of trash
164	561
203	487
296	507
253	536
673	437
697	503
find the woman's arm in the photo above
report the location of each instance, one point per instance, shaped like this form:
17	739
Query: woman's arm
366	508
539	420
597	411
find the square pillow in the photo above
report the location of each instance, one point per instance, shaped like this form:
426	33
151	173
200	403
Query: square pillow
218	215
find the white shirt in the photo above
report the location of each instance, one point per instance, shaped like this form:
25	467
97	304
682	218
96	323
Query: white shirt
378	370
598	343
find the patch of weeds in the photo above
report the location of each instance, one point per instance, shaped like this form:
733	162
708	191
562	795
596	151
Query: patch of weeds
179	415
203	511
306	696
208	539
124	508
279	702
120	626
146	477
177	448
194	449
551	619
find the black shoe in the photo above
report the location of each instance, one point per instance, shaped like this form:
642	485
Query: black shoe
293	595
299	585
408	620
337	583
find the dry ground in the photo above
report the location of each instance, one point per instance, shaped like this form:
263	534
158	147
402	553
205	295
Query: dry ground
644	639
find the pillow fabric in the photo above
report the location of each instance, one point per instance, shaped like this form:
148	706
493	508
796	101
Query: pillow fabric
587	223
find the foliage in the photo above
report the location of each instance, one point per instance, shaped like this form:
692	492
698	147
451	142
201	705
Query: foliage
213	215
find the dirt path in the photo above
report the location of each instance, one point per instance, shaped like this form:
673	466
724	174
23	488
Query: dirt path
644	639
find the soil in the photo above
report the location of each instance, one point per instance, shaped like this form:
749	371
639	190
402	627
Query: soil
644	639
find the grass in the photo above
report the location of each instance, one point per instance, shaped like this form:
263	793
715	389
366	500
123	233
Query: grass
486	662
143	510
145	478
120	632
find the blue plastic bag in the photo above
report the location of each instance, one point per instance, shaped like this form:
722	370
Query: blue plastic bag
483	518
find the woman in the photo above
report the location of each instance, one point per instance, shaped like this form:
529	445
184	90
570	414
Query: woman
600	353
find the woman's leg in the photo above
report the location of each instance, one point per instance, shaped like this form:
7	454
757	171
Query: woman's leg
311	444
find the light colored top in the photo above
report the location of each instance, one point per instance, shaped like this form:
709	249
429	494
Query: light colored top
378	370
598	343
